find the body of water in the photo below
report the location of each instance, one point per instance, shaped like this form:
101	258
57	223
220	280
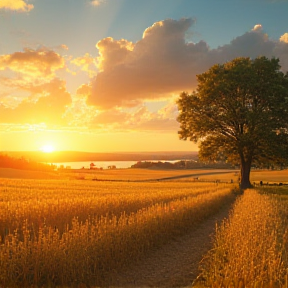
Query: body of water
104	164
98	164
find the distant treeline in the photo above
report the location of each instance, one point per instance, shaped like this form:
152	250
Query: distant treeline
197	164
182	164
22	163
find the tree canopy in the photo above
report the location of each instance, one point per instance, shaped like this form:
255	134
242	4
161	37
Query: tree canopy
239	112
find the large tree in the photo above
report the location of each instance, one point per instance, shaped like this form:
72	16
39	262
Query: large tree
239	112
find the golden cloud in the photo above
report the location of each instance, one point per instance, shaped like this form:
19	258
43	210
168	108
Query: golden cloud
79	114
34	63
64	47
46	104
257	27
87	64
284	38
16	5
140	120
113	52
84	90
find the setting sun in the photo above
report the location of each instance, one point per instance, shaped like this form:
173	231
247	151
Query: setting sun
47	148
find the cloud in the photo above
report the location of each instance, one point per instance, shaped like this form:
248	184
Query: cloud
46	104
21	72
62	47
87	64
84	90
141	119
34	63
156	68
251	44
162	120
113	118
284	38
163	62
146	69
113	52
257	27
16	5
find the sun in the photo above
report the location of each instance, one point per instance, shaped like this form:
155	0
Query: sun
48	148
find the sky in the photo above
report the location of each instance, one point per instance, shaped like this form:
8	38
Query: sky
104	76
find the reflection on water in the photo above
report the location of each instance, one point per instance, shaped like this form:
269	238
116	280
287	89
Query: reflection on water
103	164
98	164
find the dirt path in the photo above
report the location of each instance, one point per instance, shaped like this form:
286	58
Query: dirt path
176	263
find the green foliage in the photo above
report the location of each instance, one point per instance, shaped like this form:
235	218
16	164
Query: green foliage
238	113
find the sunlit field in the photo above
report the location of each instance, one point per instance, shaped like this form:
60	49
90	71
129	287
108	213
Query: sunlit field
129	174
250	248
75	230
209	175
71	232
26	174
269	176
133	174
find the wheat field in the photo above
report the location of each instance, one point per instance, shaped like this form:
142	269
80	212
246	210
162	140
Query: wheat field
57	233
250	247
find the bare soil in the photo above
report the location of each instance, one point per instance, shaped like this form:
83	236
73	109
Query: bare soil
175	264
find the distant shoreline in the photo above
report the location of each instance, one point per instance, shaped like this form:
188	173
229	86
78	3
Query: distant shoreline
76	156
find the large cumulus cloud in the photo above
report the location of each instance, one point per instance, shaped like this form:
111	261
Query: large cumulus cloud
163	62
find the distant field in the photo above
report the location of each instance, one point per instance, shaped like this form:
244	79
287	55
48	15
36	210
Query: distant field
122	174
269	176
26	174
149	174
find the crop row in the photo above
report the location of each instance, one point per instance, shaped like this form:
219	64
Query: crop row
55	203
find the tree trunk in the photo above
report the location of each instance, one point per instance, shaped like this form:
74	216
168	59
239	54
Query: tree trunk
245	175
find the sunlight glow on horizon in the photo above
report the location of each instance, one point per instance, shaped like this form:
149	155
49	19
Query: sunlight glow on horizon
48	148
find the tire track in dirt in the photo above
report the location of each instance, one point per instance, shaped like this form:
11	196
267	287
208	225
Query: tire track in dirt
176	263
